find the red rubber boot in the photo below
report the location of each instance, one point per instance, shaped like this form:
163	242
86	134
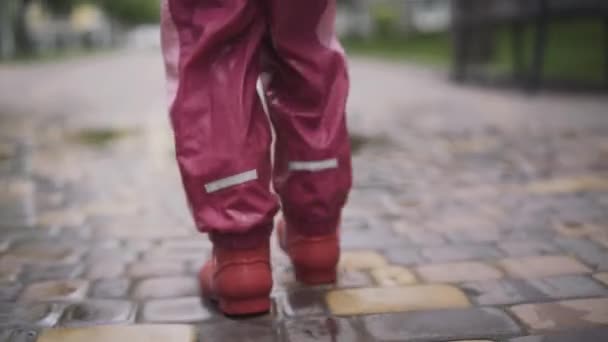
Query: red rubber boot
240	280
314	258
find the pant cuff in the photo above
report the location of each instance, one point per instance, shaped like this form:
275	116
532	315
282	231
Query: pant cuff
250	239
313	228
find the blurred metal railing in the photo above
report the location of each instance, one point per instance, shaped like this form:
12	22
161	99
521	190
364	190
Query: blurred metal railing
474	23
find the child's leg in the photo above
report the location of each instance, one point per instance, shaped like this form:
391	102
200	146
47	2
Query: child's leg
222	140
306	93
222	136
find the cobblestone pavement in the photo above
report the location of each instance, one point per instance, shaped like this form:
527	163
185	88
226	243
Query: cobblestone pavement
476	215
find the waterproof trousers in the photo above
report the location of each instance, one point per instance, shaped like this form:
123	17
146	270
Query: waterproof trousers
215	51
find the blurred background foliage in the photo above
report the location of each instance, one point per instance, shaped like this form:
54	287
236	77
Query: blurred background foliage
408	30
132	12
419	31
38	28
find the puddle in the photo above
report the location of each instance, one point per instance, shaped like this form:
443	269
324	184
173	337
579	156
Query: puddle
99	137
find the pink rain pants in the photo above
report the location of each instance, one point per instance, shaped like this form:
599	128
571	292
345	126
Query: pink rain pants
215	51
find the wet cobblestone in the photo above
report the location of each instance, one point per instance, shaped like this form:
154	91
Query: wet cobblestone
98	313
475	216
111	288
455	324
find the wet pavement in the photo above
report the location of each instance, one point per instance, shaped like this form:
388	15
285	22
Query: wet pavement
476	214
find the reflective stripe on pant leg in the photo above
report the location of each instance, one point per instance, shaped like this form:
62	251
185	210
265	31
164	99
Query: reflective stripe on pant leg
231	181
317	165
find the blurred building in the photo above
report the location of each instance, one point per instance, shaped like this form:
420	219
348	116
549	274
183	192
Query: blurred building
85	26
365	18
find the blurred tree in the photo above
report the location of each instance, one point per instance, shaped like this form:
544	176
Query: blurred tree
127	12
62	7
385	18
132	12
23	41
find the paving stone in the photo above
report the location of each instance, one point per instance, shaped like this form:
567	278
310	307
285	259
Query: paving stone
176	256
180	249
329	329
111	288
160	333
98	312
34	273
578	229
19	335
601	240
564	315
155	269
569	286
542	266
110	209
175	310
603	277
9	291
473	235
460	253
405	256
139	245
393	276
375	237
515	291
41	253
105	269
112	254
458	272
4	244
587	251
527	248
530	232
61	218
350	278
55	290
568	185
503	291
17	234
361	260
5	335
394	299
243	330
302	302
193	244
422	237
29	314
9	272
195	266
586	335
166	287
455	324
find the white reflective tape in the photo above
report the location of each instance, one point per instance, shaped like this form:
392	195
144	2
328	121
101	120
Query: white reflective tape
316	165
231	181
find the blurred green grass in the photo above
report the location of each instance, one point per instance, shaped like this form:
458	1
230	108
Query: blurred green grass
575	51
